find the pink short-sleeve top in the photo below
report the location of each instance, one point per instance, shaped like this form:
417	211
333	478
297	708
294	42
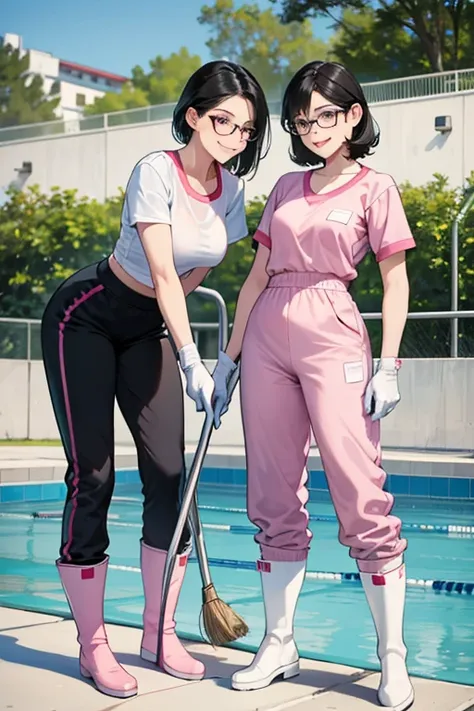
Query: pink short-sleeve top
331	233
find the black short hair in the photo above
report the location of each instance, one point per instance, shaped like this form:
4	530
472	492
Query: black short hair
207	88
339	86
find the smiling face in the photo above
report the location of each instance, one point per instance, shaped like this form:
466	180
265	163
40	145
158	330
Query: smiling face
326	128
225	130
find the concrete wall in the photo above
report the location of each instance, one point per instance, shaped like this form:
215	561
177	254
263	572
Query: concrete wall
436	410
98	163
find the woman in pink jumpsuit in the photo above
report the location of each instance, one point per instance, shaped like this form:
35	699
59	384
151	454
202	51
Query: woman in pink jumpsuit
306	364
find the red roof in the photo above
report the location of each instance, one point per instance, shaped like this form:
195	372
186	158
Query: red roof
90	70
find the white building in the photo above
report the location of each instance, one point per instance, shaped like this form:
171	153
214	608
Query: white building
77	85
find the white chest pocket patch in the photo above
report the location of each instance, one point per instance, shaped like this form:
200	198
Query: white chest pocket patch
342	216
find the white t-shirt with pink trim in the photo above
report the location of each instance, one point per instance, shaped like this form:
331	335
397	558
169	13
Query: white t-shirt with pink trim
202	226
330	233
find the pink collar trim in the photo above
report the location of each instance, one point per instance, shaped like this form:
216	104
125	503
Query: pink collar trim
175	157
312	197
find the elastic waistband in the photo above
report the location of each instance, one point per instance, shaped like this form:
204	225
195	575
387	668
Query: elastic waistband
121	290
303	280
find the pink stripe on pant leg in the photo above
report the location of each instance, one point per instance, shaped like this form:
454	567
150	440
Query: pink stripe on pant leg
62	366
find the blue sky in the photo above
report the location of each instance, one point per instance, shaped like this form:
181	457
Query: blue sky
114	35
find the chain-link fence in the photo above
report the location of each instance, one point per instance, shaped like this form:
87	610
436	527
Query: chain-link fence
20	339
424	337
430	337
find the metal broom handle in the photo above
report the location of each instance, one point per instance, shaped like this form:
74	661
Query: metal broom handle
194	512
189	500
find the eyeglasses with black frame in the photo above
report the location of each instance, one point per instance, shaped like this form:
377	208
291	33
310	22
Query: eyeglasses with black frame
224	127
326	119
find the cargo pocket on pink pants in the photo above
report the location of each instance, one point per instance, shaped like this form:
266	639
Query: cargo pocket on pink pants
345	311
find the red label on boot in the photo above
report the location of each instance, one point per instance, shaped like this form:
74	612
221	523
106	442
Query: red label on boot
263	566
378	579
87	574
182	561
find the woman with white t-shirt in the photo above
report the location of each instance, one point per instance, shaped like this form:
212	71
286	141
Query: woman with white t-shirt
104	336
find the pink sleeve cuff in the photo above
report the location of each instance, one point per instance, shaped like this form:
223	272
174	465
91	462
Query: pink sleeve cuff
263	238
394	248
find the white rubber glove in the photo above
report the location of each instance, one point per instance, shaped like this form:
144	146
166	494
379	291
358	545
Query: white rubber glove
383	389
199	382
224	368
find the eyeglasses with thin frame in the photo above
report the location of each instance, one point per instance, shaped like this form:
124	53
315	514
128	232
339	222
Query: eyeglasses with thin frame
326	119
224	127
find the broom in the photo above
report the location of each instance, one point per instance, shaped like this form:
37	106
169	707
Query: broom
221	623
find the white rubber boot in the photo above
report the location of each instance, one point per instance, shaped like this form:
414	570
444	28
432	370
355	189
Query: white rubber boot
278	654
386	597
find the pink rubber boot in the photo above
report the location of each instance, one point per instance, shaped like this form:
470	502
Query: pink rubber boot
175	659
84	587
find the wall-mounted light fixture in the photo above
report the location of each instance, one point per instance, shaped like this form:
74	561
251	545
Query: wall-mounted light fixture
26	169
443	124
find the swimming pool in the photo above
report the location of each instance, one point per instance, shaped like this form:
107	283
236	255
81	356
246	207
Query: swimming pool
333	622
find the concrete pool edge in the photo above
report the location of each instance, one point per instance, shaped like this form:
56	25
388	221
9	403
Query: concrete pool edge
397	461
448	475
437	475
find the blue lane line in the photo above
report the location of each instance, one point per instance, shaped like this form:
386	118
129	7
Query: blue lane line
449	586
242	529
438	586
450	528
235	529
332	518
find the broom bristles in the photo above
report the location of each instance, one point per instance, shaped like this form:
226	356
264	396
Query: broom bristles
221	622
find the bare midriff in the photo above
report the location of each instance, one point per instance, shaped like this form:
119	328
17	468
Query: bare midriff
128	280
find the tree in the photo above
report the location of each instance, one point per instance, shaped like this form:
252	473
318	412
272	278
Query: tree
168	76
444	29
22	96
430	211
375	49
128	98
162	85
257	39
44	238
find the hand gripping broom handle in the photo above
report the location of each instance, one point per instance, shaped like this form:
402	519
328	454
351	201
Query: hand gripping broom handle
189	501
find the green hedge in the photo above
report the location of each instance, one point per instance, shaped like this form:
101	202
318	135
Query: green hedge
45	238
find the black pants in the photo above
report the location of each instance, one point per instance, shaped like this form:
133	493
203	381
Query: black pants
102	341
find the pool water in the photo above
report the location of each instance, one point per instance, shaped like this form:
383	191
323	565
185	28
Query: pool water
333	622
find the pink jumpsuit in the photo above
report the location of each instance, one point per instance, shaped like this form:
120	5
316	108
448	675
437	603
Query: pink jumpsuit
306	361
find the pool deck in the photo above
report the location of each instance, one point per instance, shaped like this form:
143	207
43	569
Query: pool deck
39	672
37	463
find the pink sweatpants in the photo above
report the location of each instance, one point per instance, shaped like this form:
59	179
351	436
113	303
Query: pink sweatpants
306	360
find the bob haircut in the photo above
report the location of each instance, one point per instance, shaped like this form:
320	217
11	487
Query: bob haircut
339	86
207	88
